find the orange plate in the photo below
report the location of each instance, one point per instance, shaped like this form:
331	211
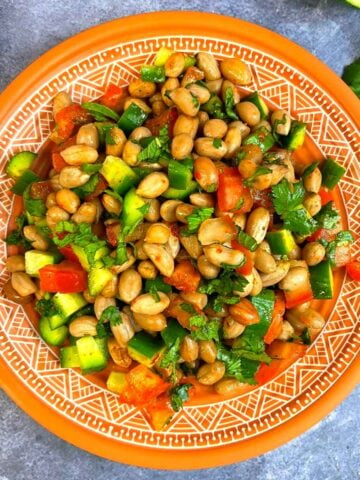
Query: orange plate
209	432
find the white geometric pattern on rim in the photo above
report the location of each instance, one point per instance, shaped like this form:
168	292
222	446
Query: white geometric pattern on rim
227	421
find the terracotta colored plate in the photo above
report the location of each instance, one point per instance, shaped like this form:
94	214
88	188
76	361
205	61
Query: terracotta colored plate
211	432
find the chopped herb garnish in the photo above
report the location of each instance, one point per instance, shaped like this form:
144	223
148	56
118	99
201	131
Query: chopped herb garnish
187	307
16	237
327	218
91	168
46	307
217	142
195	219
229	104
111	314
205	329
170	358
179	395
305	337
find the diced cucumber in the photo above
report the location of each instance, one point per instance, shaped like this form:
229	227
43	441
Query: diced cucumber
180	176
69	357
173	331
98	278
54	337
133	117
152	73
175	193
331	173
82	257
36	259
118	174
19	163
56	321
162	55
256	99
260	137
68	303
296	136
91	356
102	344
24	181
322	281
281	242
116	382
145	349
134	209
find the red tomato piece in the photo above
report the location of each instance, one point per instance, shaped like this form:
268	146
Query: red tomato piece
69	118
65	277
245	269
143	386
321	234
353	270
166	118
69	254
298	297
232	195
283	350
266	372
40	190
185	277
100	187
262	198
326	196
113	97
58	162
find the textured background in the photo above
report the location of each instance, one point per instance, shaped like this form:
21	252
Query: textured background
330	30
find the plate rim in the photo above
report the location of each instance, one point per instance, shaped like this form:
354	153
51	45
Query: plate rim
100	37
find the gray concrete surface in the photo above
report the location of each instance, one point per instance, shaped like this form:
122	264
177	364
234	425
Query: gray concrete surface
330	30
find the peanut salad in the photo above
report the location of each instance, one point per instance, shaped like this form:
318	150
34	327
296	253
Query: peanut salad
175	243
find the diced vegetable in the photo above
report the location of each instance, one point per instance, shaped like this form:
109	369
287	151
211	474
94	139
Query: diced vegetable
332	172
178	194
256	99
173	331
162	55
68	303
91	357
296	136
167	118
82	257
145	349
19	163
143	386
56	321
281	242
116	382
160	414
65	277
232	195
118	174
353	270
54	337
180	176
298	296
322	282
36	259
132	117
134	209
185	277
113	96
280	350
152	73
98	278
262	138
24	181
69	357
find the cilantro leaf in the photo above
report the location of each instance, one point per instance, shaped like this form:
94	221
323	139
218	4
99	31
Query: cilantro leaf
230	104
111	314
171	357
205	329
88	187
344	237
157	284
327	218
34	206
179	395
214	107
241	368
220	301
305	337
287	196
259	171
187	307
195	219
16	237
299	221
351	76
46	307
227	282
